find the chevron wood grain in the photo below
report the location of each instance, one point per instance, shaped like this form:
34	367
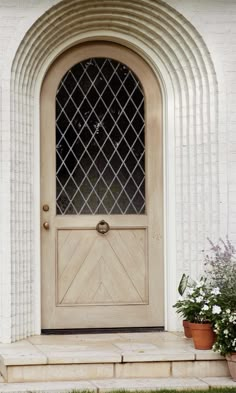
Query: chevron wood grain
95	269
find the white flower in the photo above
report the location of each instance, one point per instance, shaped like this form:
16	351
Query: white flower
226	332
202	292
192	300
216	310
190	291
199	284
215	291
228	311
199	299
205	307
180	298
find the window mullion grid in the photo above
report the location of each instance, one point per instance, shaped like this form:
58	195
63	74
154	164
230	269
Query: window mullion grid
77	137
70	146
70	200
88	196
129	94
123	137
63	84
116	150
132	198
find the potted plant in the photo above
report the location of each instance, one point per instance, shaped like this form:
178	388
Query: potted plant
205	305
225	329
220	269
200	305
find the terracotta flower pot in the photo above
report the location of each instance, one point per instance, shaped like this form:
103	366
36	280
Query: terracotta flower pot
231	359
203	335
187	330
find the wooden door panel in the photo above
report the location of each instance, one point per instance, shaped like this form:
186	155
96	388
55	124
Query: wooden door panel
70	258
101	269
130	246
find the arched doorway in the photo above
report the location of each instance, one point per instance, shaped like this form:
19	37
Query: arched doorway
101	171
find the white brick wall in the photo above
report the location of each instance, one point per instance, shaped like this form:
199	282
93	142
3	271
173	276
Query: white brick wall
16	17
216	23
205	165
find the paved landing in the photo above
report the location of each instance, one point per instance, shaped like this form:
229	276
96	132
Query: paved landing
105	348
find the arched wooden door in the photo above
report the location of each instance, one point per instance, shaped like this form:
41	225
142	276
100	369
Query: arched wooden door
101	191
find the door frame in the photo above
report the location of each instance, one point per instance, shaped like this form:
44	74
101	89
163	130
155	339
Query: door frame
169	210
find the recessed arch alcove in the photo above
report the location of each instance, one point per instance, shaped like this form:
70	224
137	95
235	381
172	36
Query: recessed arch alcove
182	63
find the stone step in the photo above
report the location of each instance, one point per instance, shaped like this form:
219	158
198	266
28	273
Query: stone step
106	385
101	369
78	358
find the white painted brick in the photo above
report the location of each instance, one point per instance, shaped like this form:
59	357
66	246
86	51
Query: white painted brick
205	172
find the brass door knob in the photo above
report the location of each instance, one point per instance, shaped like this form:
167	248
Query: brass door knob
102	227
46	225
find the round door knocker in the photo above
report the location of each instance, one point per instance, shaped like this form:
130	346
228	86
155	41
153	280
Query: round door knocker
102	227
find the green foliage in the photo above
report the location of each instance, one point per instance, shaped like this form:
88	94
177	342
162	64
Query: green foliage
225	329
183	284
220	270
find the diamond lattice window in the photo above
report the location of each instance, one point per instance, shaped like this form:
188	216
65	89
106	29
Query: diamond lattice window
100	152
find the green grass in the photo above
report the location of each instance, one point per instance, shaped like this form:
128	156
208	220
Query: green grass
210	390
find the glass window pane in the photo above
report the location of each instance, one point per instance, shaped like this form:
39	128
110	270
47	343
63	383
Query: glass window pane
100	140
